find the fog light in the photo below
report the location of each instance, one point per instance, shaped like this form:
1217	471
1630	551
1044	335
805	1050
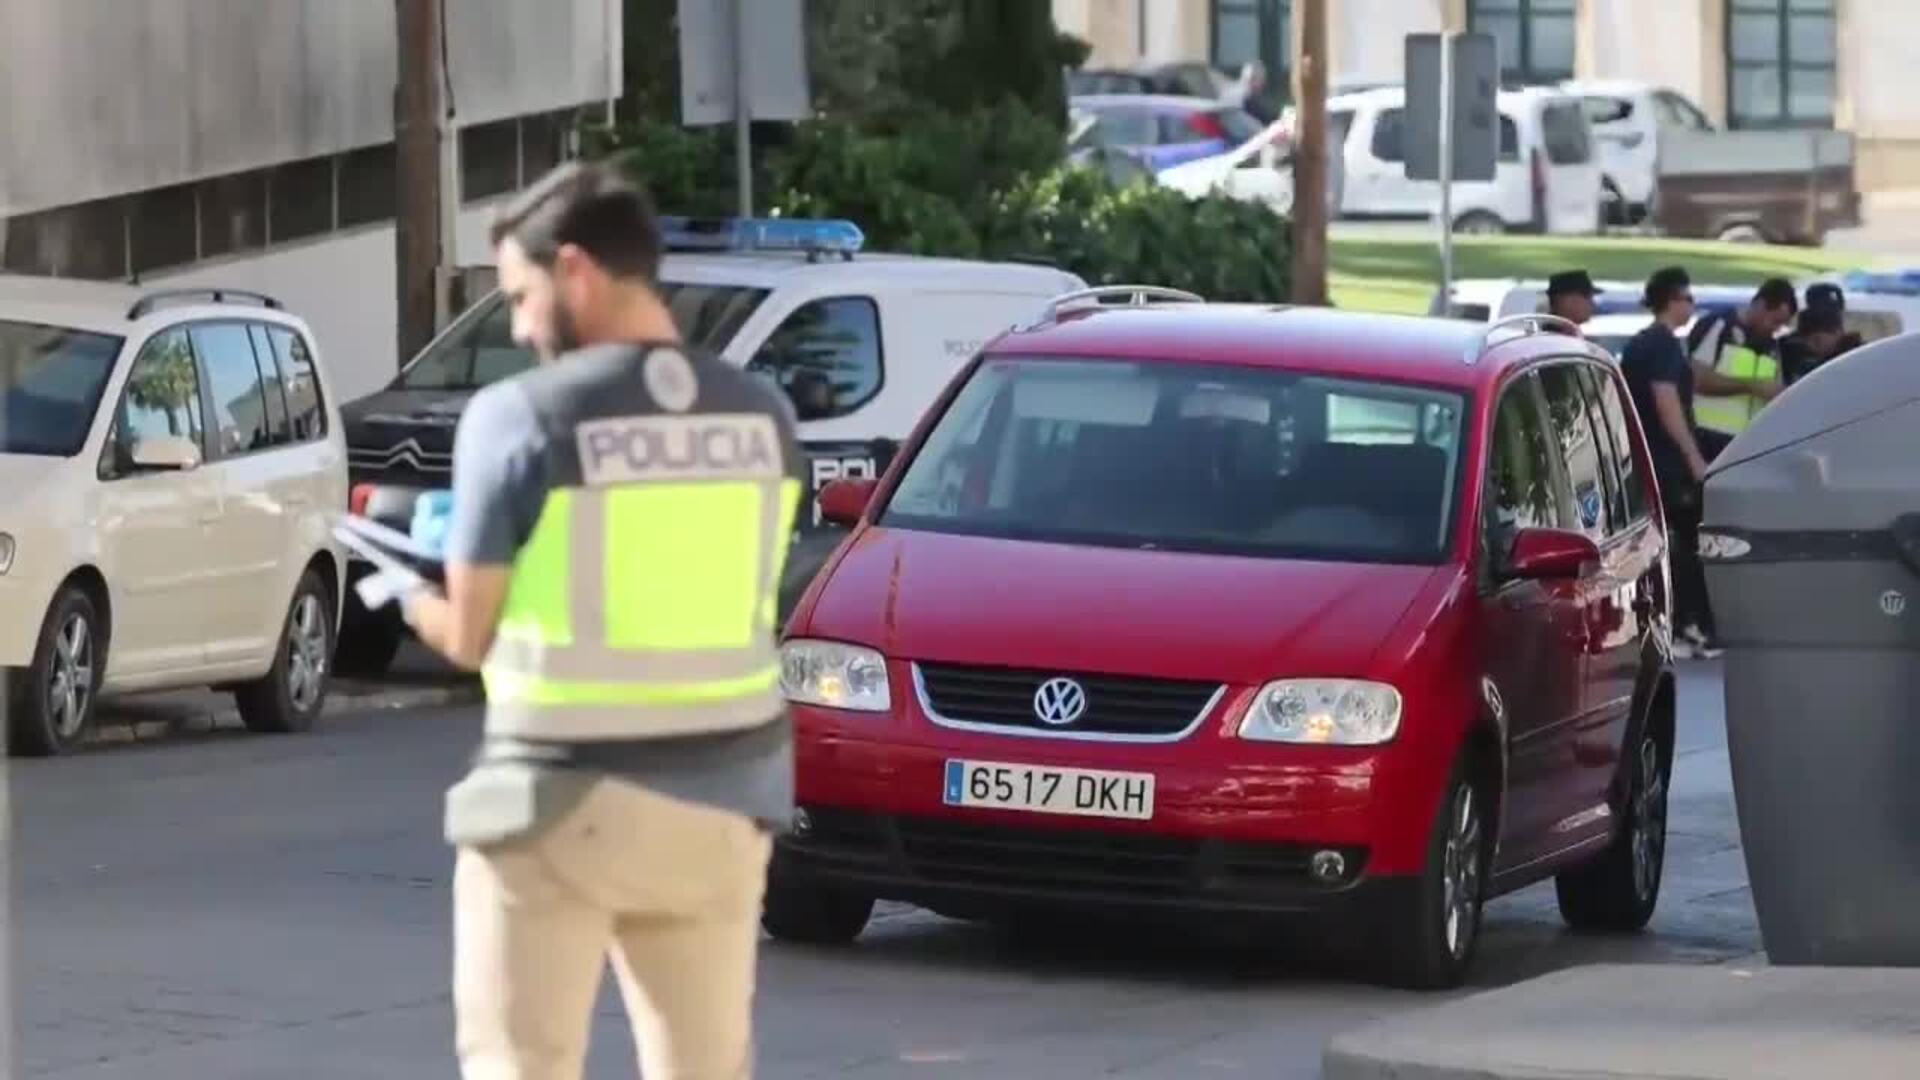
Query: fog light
1328	867
802	822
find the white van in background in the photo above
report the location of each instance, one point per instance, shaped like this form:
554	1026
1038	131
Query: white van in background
1547	177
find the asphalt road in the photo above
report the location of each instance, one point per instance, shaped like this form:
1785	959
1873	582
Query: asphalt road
219	905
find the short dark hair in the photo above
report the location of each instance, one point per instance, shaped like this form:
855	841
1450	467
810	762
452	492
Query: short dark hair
1777	293
1820	320
1664	286
592	206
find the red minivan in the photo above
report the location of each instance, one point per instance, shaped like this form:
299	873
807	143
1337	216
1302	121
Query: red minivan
1243	610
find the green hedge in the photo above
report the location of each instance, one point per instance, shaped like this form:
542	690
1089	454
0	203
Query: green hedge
983	184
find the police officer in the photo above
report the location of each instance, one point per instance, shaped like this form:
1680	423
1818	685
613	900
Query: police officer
620	517
1570	295
1736	363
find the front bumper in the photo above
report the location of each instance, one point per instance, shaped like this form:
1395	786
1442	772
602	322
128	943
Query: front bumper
1235	827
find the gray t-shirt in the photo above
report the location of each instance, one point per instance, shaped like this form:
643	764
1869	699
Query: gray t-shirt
502	457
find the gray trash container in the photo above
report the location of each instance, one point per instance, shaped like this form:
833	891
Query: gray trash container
1811	544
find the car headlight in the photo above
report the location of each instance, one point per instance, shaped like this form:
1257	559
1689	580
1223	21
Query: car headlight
6	552
1332	712
834	676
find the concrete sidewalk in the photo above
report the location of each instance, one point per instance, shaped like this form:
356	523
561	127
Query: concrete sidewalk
1654	1023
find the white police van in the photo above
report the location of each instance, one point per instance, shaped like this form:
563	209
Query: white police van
861	343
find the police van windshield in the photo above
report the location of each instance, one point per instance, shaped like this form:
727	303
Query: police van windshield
481	351
51	379
1191	457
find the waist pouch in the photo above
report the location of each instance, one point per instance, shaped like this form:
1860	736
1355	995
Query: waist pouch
505	802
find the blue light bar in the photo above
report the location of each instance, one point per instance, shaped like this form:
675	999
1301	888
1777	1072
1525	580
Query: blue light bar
815	237
1896	282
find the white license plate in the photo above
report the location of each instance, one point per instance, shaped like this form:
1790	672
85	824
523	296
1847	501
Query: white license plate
1082	792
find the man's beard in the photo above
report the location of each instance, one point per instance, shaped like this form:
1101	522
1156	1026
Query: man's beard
566	333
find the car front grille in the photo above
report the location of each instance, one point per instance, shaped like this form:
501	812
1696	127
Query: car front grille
967	855
1117	706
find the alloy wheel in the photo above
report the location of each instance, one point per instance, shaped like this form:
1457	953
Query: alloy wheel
1649	820
70	676
1460	872
306	653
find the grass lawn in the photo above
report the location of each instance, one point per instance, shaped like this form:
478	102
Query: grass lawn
1400	273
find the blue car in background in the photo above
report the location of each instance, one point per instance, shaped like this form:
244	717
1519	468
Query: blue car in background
1160	130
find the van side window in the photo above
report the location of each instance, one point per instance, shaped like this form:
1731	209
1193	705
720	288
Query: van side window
162	399
1389	140
826	357
279	431
1522	488
233	384
1633	486
305	406
1582	449
1563	127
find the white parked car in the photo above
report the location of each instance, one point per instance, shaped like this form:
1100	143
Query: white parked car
172	462
1627	119
1258	170
1547	176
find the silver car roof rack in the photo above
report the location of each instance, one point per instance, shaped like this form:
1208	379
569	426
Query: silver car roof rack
1134	295
1528	323
153	300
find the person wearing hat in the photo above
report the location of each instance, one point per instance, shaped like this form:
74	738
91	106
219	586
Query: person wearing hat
1825	294
1570	295
1817	338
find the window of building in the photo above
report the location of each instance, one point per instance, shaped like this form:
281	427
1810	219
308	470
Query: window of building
369	186
165	232
1247	30
489	159
1780	63
300	200
85	240
233	214
1536	37
826	356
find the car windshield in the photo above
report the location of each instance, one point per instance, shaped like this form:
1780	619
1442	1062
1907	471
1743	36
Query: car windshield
481	350
51	379
1190	457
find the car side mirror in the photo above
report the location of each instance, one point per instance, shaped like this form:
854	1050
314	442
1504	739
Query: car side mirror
1551	553
172	453
844	502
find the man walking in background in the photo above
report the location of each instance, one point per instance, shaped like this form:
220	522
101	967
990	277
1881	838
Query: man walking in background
1570	295
1661	381
621	514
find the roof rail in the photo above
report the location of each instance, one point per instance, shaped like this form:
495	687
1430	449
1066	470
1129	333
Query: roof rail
1136	296
1528	323
153	300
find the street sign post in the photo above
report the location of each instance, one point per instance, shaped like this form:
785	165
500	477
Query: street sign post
1452	128
735	68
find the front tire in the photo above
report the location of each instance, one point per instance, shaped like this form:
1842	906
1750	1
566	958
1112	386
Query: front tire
1432	931
53	701
1478	223
809	914
290	696
1620	888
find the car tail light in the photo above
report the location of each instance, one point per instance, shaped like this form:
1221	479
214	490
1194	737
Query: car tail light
1207	125
357	499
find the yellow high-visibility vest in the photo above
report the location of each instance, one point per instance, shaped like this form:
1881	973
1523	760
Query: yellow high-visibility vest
1732	413
644	603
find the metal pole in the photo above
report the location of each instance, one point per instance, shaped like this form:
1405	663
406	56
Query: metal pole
742	110
1446	169
1311	156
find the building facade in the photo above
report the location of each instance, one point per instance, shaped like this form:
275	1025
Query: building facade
1748	63
252	143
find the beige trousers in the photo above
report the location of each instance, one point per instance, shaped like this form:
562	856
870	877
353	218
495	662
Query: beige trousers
669	890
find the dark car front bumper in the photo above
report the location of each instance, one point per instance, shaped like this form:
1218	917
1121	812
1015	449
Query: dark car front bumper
968	869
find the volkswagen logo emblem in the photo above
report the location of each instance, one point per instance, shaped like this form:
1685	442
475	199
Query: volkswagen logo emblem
1059	702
